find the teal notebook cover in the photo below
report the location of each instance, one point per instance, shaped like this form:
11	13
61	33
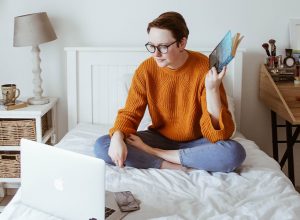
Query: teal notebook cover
222	54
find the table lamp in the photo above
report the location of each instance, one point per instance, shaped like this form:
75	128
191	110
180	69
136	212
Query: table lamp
32	30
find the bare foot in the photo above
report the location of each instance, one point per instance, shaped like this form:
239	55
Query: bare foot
171	166
174	166
137	142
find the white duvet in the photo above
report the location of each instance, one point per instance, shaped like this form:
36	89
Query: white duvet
258	190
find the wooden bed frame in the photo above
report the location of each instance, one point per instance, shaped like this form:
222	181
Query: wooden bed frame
94	81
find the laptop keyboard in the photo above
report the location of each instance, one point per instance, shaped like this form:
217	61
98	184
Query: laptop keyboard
108	212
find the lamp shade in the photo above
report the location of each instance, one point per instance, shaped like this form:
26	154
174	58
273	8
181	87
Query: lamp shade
32	30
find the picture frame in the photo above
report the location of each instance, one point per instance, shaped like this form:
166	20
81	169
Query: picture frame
294	29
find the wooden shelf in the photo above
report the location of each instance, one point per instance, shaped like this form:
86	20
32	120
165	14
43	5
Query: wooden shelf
281	97
9	148
10	180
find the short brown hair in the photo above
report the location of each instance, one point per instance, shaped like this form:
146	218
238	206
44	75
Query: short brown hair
172	21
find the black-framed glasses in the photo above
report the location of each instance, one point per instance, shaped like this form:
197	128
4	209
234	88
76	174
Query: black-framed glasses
161	48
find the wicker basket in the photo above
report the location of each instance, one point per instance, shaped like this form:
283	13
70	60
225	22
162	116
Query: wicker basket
9	164
12	130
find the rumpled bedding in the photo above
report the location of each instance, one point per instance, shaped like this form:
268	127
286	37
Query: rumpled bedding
257	190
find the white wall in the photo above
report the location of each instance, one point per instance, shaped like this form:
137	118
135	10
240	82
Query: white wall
123	23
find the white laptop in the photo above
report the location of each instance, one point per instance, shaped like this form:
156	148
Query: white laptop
65	184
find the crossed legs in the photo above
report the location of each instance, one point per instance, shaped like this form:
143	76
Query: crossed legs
151	150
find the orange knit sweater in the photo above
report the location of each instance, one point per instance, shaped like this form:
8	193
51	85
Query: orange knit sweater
176	100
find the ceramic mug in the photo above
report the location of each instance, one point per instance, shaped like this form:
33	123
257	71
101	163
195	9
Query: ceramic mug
10	93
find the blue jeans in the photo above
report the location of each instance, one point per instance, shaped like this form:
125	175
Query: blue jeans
222	156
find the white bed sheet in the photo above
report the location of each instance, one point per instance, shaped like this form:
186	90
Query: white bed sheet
259	190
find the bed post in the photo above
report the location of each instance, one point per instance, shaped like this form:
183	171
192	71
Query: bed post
71	60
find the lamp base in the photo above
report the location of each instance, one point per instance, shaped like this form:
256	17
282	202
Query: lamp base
38	101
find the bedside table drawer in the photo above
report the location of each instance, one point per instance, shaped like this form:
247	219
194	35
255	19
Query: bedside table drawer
10	164
12	130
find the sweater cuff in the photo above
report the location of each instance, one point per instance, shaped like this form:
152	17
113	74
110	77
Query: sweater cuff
209	131
125	131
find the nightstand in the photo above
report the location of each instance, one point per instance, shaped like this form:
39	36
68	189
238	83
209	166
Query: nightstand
35	122
283	99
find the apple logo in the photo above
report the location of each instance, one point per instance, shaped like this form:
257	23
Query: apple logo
59	184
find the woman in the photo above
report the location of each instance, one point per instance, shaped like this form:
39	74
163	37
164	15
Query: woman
191	123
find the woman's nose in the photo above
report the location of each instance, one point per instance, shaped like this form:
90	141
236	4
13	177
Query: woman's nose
157	53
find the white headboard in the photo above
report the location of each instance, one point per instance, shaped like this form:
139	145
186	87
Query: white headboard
94	75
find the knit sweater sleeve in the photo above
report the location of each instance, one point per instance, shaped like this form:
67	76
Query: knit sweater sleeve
226	125
129	117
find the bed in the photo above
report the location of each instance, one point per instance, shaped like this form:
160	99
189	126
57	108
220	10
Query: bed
98	79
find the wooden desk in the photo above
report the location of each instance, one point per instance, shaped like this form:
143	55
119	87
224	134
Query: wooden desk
283	98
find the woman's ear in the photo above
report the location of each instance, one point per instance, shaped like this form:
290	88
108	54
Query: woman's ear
182	43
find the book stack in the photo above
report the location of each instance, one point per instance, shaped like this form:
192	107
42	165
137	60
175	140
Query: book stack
18	104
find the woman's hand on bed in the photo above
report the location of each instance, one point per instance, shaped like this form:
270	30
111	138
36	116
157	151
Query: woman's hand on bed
118	149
